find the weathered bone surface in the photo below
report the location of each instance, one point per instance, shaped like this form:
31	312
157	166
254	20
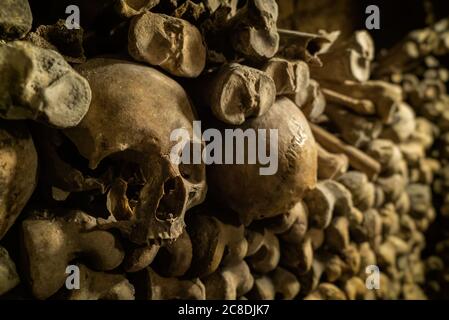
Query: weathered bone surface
254	31
68	42
39	85
166	190
49	244
18	172
257	196
179	45
130	8
289	77
236	92
101	286
15	19
8	272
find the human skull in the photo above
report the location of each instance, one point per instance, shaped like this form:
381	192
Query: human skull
133	112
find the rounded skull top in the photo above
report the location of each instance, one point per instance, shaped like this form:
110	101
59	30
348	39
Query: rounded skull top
134	109
254	196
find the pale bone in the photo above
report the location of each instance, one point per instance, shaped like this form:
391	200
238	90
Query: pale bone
355	129
331	165
285	283
37	84
173	44
305	46
101	286
363	193
290	76
161	288
384	95
348	60
229	283
357	159
50	243
236	92
18	171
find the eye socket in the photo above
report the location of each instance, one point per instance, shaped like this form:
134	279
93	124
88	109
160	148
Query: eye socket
192	172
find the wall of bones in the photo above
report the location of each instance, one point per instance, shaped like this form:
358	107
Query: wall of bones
355	131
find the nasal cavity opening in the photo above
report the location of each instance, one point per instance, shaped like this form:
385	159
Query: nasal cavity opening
172	201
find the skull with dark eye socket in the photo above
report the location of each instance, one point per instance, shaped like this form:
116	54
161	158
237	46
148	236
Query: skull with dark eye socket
133	112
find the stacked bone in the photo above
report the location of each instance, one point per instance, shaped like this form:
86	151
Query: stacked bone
351	189
415	65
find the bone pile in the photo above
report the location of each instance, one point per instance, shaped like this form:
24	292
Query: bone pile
86	182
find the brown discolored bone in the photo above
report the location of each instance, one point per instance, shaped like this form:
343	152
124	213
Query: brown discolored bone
388	155
50	243
290	76
236	92
362	191
331	165
285	283
357	158
124	94
266	258
355	288
282	223
420	196
130	8
263	289
355	130
402	124
261	194
230	282
15	19
18	171
215	242
297	231
384	95
173	44
8	273
360	106
311	101
317	236
328	198
326	291
347	60
37	84
305	46
392	186
174	259
337	234
100	286
298	257
160	288
141	257
253	30
57	37
190	11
